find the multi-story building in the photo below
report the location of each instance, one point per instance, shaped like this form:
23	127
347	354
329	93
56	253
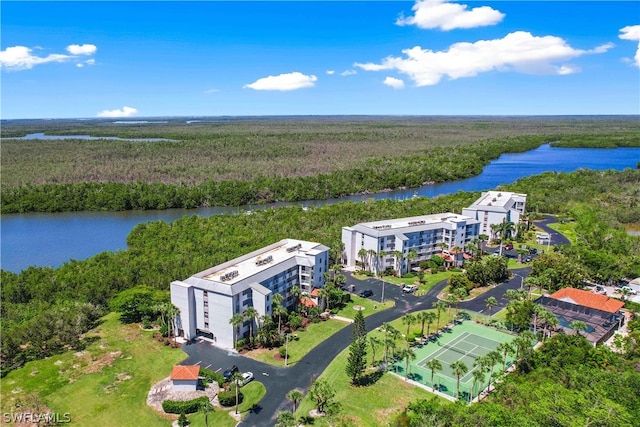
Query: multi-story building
378	242
209	299
495	207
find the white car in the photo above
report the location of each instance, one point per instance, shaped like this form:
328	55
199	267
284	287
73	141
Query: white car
409	289
630	289
247	377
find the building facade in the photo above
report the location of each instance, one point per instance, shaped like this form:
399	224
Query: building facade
495	207
209	299
427	235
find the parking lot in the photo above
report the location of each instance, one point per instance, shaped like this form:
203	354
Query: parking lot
613	291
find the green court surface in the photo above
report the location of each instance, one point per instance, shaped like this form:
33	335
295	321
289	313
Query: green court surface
465	342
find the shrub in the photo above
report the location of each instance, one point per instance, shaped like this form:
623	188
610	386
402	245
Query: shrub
241	343
228	398
409	276
282	351
187	407
209	376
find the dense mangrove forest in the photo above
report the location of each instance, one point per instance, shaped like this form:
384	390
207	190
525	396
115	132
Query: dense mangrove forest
252	161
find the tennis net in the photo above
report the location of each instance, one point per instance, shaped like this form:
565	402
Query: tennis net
466	353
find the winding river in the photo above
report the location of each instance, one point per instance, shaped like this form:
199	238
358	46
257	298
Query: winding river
50	239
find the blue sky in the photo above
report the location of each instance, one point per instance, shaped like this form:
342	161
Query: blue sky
431	57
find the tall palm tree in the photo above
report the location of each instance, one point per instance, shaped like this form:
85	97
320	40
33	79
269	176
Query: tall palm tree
296	292
426	317
295	396
278	308
434	365
550	323
493	357
236	320
491	302
460	294
478	379
399	258
408	319
440	306
206	409
362	253
381	256
372	256
407	354
451	300
236	377
459	369
578	326
505	348
483	238
250	314
411	255
374	342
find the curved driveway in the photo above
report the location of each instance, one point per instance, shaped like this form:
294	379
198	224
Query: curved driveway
279	380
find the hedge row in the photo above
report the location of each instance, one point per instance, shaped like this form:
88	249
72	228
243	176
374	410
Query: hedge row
228	398
188	406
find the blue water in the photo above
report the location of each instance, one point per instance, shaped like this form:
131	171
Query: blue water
52	239
33	136
565	323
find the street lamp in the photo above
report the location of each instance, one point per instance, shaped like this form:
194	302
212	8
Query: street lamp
286	349
521	280
382	298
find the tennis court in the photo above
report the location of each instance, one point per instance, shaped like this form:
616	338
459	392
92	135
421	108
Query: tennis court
465	342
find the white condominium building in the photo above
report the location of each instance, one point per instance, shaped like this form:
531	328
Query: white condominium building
209	299
427	235
495	207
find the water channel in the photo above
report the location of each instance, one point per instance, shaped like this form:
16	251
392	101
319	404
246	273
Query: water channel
50	239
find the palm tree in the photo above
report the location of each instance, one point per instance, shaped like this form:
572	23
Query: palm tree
505	348
478	379
451	300
236	377
250	314
406	354
459	293
411	255
408	319
398	256
296	292
440	306
483	238
206	409
172	312
278	308
459	369
372	256
426	317
550	323
493	357
362	253
434	365
236	320
295	396
491	302
285	419
507	229
578	326
374	342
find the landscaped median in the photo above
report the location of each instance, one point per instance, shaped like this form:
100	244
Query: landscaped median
429	280
302	341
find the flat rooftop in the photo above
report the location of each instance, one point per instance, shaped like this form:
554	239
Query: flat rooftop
250	264
416	221
498	198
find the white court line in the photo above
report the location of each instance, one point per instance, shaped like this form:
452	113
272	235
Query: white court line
198	362
207	367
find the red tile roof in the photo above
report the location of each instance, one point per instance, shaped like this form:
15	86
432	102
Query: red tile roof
185	372
588	299
307	302
314	292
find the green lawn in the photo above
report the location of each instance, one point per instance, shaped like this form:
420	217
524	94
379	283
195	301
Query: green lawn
371	306
107	384
429	280
365	405
568	230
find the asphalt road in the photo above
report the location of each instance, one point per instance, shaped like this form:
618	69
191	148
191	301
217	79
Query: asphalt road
279	381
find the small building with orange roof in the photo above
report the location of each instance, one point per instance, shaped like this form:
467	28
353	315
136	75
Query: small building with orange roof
185	377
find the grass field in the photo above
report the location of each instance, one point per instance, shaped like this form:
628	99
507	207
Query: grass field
105	385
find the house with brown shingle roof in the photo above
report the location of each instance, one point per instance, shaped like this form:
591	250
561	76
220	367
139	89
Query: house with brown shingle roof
185	377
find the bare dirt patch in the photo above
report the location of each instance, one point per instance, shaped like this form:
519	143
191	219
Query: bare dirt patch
106	360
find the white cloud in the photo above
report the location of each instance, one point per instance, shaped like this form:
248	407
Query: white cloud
394	83
448	16
632	32
290	81
85	49
330	72
212	91
125	112
21	58
519	51
566	69
348	73
18	58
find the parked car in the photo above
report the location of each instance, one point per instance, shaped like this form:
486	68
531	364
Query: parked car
599	289
527	259
247	377
630	289
229	372
508	246
366	293
533	251
409	289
